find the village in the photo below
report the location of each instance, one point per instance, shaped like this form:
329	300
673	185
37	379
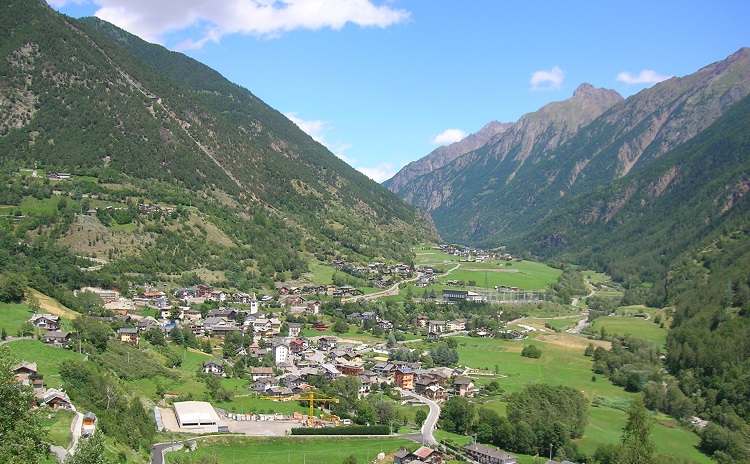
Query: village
260	338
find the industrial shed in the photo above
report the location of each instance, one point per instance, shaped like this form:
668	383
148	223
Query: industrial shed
193	414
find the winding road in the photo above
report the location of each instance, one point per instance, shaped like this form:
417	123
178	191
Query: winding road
431	422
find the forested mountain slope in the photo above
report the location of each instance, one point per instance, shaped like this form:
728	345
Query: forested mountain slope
640	224
73	100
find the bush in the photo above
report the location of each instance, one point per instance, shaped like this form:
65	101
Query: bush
348	430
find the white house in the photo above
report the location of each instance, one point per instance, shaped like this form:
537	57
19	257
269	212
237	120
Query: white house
280	354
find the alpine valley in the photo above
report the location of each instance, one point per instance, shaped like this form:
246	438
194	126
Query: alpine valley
131	173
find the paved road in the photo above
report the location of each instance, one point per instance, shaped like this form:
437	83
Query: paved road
14	339
431	422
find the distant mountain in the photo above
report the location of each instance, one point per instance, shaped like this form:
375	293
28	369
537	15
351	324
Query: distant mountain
88	98
533	136
444	155
502	190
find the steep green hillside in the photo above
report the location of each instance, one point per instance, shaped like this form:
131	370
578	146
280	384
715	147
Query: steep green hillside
641	223
244	189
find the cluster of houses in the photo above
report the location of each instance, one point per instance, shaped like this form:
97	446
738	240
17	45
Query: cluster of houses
26	373
477	453
49	327
474	254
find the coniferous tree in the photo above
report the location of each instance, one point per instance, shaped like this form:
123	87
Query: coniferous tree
637	446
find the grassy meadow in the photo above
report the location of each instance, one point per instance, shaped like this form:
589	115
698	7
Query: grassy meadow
563	363
47	358
635	326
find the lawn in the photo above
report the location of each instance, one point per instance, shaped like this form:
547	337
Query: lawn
57	422
635	326
30	205
322	273
562	363
526	275
307	450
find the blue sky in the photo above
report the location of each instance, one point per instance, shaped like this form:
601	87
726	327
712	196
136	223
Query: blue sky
384	82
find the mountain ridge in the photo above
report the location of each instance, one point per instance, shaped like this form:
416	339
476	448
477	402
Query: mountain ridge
490	196
532	135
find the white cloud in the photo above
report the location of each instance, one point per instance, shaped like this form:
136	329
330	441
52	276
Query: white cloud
316	128
646	76
153	20
549	79
379	173
448	136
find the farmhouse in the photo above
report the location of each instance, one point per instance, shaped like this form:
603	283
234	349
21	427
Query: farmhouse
421	455
56	399
261	372
213	367
463	386
57	338
45	321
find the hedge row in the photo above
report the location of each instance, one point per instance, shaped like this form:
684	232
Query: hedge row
348	430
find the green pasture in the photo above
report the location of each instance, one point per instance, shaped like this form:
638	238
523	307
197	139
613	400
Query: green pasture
308	450
13	316
560	324
192	359
320	273
30	205
606	424
47	358
561	364
635	326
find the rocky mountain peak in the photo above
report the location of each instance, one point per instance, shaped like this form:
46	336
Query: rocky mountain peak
584	89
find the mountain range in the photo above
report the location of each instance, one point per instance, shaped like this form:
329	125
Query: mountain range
546	183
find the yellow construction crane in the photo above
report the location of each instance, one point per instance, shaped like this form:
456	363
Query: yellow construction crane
311	397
